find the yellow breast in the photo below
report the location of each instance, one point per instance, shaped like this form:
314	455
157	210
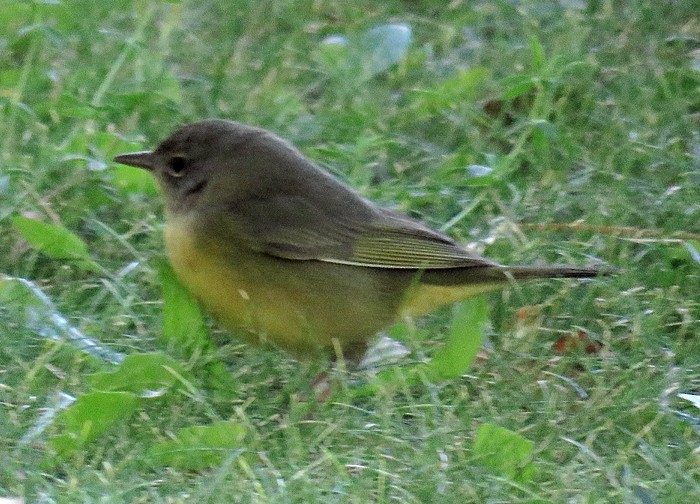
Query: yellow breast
302	306
235	292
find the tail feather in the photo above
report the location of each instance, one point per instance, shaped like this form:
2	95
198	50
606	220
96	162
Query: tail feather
439	287
501	274
524	272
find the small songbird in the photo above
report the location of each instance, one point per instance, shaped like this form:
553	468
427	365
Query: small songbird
280	251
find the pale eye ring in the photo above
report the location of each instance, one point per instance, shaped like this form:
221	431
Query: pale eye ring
176	166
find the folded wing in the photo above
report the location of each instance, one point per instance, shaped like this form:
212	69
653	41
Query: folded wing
295	227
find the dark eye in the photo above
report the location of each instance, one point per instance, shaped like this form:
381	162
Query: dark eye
177	166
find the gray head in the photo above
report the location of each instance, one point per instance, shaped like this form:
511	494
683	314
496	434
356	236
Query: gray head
206	157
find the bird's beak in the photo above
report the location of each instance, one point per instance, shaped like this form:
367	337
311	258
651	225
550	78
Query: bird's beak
144	159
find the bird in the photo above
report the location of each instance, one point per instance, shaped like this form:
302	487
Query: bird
281	252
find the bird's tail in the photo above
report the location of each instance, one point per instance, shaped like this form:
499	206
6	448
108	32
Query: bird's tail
441	287
497	274
525	272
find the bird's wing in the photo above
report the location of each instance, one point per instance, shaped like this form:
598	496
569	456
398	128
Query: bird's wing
397	241
295	227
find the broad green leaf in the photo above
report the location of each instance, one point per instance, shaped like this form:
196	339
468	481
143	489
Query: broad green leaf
91	416
450	361
141	374
54	241
466	333
184	330
505	452
518	86
200	446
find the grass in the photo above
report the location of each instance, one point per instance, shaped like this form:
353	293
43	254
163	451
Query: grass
585	115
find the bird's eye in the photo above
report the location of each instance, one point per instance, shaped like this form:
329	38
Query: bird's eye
177	166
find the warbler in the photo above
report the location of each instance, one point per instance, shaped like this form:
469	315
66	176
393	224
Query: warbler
281	252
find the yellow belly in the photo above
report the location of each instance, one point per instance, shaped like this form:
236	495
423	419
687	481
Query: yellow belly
425	298
302	306
232	295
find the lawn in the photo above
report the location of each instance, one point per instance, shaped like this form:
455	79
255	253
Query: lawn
537	131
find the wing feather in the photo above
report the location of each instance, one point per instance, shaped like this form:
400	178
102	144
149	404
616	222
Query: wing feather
296	227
